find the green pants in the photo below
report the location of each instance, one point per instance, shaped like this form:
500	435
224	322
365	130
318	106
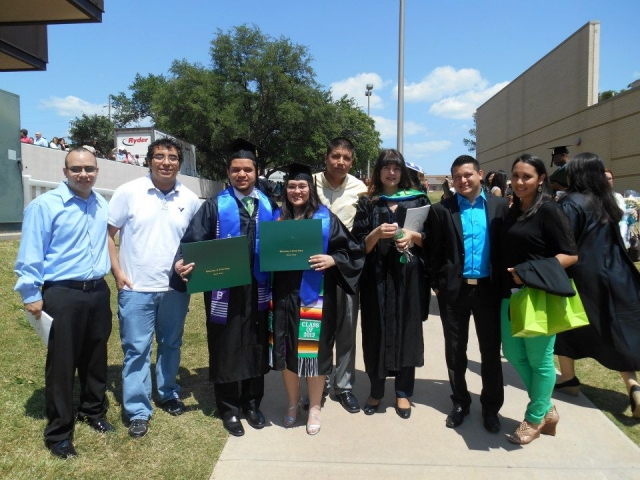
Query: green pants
533	360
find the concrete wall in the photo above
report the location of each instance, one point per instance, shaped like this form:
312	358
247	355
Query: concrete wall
555	103
46	164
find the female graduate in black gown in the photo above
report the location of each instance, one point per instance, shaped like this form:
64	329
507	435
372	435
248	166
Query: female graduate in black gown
304	313
394	295
607	280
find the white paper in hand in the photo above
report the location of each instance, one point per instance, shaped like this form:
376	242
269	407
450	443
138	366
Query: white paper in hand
42	326
416	217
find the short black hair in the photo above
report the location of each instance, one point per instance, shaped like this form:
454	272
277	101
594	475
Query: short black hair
340	142
463	160
167	143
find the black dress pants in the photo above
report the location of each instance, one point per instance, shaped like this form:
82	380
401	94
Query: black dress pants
481	301
233	397
405	380
78	340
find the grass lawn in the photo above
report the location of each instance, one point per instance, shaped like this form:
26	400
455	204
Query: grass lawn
185	447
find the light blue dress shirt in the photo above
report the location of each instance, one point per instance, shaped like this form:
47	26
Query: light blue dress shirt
476	238
64	237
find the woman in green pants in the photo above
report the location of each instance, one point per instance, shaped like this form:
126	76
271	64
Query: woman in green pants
535	229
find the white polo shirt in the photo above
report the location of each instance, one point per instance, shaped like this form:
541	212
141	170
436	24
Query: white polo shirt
151	226
342	200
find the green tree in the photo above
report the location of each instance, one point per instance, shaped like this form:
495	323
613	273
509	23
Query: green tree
257	88
93	130
470	143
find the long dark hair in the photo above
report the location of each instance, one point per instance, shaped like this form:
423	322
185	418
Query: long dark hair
389	156
543	196
586	175
313	204
499	180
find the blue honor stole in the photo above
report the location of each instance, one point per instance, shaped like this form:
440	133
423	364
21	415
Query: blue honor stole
311	284
228	225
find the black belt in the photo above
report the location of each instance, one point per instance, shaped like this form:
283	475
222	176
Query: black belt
85	285
476	281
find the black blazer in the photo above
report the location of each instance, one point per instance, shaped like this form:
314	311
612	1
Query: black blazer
445	255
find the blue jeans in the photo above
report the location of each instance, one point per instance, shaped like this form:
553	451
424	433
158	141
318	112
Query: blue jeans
140	314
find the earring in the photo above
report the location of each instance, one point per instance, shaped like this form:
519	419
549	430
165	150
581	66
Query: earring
539	188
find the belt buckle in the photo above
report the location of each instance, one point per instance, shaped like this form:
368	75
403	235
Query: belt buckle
472	281
88	285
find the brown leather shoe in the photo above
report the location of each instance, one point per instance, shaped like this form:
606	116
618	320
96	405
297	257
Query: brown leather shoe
526	433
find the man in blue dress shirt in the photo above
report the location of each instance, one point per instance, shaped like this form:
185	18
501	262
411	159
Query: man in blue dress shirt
462	237
61	263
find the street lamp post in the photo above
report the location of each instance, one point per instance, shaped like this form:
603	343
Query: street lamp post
109	104
368	95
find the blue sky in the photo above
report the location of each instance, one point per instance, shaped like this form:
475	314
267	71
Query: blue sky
457	55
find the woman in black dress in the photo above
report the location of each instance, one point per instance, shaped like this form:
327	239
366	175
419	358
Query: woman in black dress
394	291
304	302
606	278
535	229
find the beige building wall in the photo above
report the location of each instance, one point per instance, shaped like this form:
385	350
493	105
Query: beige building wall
555	103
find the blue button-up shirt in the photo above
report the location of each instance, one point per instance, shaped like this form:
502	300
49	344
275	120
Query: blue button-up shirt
64	237
476	238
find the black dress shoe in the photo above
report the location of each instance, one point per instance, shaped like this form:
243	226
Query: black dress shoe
403	412
62	449
138	428
369	409
349	402
173	406
255	418
100	425
456	417
232	425
491	423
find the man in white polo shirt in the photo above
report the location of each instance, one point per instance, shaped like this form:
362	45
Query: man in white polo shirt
151	213
340	191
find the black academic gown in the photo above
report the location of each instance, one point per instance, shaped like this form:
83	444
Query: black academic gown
238	350
349	258
394	297
609	287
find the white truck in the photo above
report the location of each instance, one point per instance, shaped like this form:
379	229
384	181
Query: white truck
137	140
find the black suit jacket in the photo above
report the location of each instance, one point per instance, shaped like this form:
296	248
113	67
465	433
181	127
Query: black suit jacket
445	255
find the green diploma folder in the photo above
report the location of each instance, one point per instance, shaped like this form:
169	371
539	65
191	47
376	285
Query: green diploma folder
288	244
220	263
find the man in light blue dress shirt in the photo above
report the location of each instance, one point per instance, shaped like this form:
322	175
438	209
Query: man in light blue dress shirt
61	263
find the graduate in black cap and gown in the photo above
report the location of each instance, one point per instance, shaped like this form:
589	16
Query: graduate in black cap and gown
307	298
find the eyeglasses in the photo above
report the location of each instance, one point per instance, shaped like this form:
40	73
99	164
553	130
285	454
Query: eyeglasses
158	157
293	188
88	169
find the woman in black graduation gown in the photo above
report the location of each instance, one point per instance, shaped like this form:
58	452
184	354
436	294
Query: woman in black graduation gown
303	327
606	278
394	296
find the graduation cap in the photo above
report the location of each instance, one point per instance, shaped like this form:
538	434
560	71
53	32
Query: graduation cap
298	171
241	145
559	150
414	166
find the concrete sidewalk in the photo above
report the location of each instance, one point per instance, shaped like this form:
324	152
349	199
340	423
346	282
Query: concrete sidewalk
383	446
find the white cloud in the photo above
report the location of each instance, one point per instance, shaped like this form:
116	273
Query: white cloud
357	86
422	150
462	106
388	129
442	82
72	106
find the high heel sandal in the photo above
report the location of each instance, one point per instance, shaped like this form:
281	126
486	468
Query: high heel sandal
634	401
570	387
290	420
314	427
551	419
526	433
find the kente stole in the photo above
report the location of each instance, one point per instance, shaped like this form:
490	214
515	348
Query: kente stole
311	303
228	225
